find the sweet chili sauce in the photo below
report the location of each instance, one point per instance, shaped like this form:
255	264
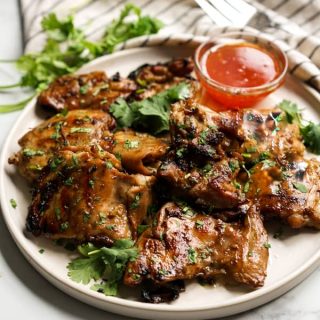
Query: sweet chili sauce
236	70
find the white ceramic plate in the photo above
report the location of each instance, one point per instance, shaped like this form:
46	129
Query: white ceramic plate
291	259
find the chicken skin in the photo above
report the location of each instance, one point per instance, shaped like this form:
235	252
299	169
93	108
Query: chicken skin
183	245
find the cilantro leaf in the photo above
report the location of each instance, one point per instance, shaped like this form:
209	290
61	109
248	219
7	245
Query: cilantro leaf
309	131
120	30
311	137
122	112
151	114
84	270
300	186
105	264
291	110
107	288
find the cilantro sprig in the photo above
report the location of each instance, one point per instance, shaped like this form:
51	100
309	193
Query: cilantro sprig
67	48
309	130
151	114
104	264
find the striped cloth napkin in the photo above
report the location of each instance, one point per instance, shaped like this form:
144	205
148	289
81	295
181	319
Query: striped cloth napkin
295	27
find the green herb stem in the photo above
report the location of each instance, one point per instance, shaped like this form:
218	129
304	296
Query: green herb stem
4	108
10	86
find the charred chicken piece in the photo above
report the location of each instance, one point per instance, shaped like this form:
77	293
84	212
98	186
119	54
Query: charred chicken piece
77	128
93	90
139	152
185	245
86	197
97	91
204	145
269	136
209	186
290	193
153	79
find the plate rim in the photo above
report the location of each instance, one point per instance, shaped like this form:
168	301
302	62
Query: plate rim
273	291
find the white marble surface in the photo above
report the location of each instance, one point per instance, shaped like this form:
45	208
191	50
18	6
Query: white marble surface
24	294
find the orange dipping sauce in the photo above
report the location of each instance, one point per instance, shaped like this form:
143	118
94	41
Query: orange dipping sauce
241	65
238	73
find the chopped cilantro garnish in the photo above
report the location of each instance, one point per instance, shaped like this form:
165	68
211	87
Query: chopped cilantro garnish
207	169
267	245
54	163
84	89
57	134
236	184
192	255
57	212
131	144
199	224
69	181
203	136
31	152
136	201
75	161
267	164
300	186
180	152
251	149
13	203
246	187
86	216
109	164
246	155
80	130
91	183
64	226
118	156
264	155
188	211
233	165
102	219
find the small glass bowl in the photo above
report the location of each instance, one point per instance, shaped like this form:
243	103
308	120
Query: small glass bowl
239	97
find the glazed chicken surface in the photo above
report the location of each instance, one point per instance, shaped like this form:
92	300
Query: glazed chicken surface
201	192
96	90
88	197
221	159
184	244
77	128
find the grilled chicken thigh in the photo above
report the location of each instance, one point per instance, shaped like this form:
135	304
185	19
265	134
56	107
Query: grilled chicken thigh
184	244
204	146
217	160
291	193
93	90
215	177
76	128
155	78
86	197
97	91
